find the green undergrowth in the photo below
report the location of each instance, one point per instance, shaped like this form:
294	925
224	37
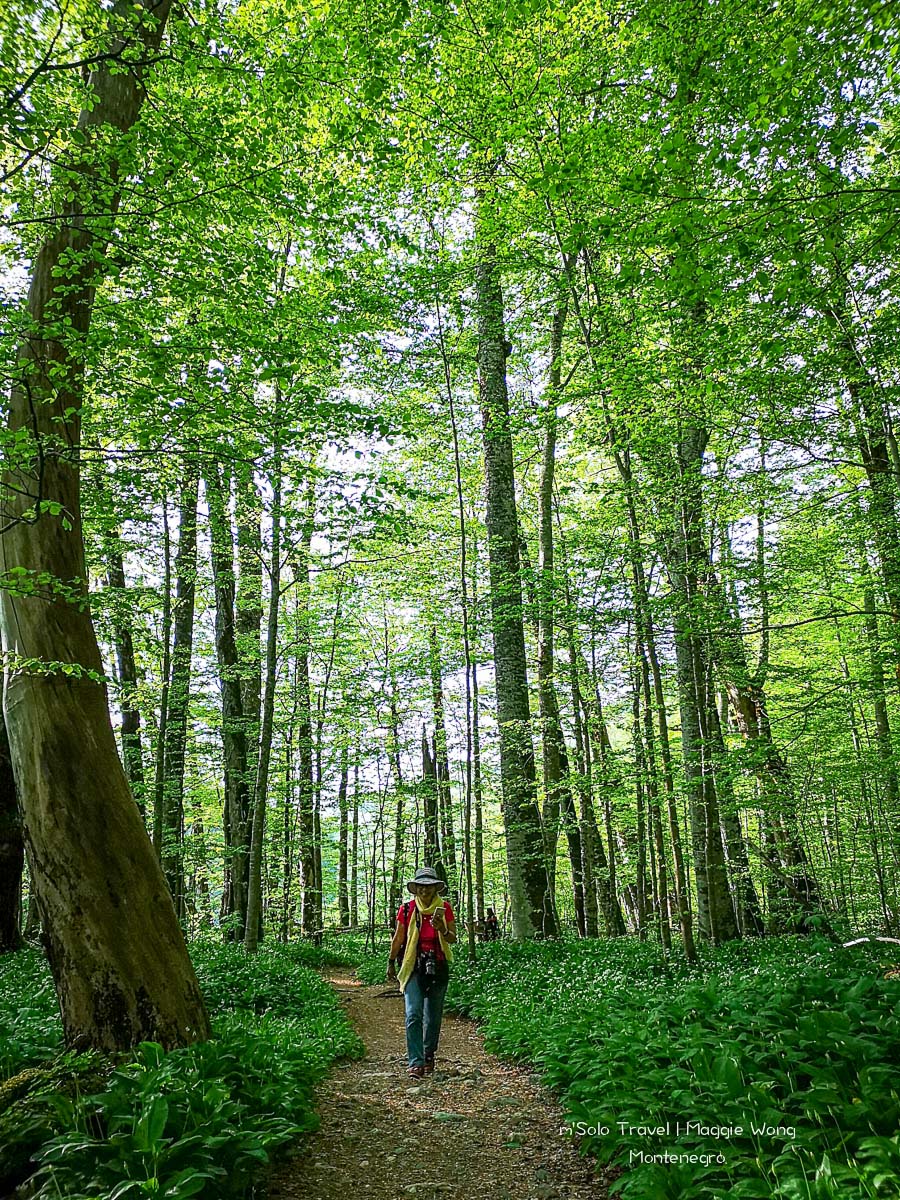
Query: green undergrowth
198	1121
796	1038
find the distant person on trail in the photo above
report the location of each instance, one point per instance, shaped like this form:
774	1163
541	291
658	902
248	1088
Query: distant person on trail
421	944
491	926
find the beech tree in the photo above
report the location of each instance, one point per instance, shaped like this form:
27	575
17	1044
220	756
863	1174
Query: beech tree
118	957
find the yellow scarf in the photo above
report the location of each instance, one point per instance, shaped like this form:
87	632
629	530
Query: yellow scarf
412	941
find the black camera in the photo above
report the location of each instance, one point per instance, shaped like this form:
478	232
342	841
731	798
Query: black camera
430	963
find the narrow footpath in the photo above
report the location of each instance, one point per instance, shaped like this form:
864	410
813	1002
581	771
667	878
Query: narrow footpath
478	1129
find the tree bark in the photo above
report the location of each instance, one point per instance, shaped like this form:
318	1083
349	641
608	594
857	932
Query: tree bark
253	928
430	809
306	804
132	746
354	851
528	883
394	754
442	764
12	852
248	515
557	794
236	815
117	954
343	897
159	781
179	692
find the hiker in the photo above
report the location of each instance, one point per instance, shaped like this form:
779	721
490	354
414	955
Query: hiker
491	926
421	945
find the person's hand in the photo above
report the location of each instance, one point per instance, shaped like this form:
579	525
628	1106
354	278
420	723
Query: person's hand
439	919
392	970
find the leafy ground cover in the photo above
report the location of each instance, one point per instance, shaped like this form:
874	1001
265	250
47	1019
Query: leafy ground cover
773	1064
198	1121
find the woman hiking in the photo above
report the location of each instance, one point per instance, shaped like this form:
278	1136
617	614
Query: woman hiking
426	929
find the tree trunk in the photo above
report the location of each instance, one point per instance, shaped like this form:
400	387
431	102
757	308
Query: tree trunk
354	851
442	765
253	928
748	701
477	794
430	809
586	817
12	852
687	562
159	782
747	908
132	748
248	517
306	804
179	692
117	954
236	815
604	865
394	754
477	784
528	884
555	761
343	898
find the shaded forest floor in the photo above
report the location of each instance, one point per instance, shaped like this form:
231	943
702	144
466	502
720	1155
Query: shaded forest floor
496	1134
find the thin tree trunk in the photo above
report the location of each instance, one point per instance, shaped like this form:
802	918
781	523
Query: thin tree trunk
236	815
396	888
159	783
640	774
442	764
117	954
252	930
430	806
682	891
527	872
467	646
318	889
306	803
555	761
343	898
180	687
657	843
248	515
132	747
477	785
354	850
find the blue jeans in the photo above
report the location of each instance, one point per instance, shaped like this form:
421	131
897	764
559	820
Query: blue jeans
423	1019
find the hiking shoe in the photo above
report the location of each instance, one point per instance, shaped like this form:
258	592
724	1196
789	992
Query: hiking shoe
429	1066
416	1072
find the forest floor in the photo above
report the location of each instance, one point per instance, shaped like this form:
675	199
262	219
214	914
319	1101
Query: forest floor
477	1129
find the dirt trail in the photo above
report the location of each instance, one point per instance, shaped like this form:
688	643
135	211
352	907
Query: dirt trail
492	1132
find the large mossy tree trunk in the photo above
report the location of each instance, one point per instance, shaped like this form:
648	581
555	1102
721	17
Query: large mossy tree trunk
116	951
528	884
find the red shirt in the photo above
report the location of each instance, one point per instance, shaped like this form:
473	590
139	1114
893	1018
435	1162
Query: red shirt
428	938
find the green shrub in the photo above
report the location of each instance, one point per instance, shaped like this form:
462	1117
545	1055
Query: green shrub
197	1121
782	1033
